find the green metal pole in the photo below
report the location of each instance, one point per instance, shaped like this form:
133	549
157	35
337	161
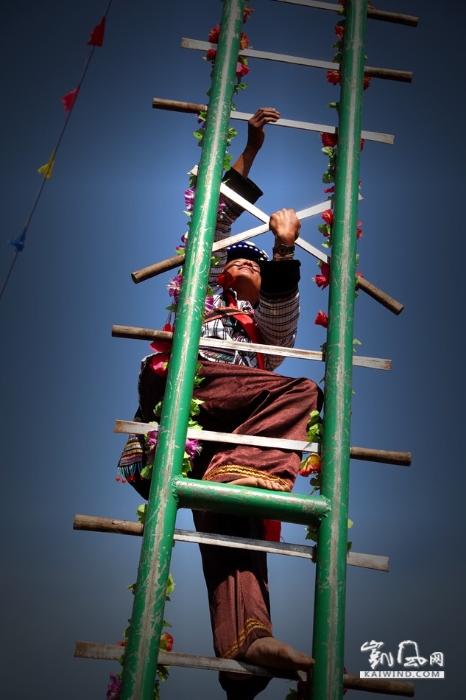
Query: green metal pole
240	500
329	612
147	618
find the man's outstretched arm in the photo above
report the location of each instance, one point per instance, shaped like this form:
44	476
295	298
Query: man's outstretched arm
256	136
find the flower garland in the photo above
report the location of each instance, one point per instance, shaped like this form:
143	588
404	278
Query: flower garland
312	465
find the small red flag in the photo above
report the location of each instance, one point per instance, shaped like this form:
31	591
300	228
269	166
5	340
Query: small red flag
97	34
69	99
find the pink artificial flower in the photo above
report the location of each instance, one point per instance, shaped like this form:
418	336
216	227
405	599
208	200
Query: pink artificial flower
329	139
182	246
161	348
241	69
329	189
359	230
209	304
363	141
174	286
327	216
152	436
366	82
323	280
189	196
114	688
211	55
159	365
191	447
214	34
321	319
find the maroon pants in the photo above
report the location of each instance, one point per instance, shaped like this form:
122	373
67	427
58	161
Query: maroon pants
238	399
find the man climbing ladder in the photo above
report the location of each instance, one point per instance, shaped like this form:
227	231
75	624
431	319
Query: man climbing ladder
256	299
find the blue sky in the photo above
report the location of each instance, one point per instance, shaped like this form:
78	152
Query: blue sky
114	204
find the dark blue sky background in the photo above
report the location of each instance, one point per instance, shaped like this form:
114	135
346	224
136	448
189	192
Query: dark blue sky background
114	204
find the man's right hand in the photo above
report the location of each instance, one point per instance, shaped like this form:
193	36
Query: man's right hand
285	226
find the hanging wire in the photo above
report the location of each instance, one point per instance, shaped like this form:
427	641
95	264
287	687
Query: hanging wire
19	242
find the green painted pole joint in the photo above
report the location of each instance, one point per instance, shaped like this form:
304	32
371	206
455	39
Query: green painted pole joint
254	502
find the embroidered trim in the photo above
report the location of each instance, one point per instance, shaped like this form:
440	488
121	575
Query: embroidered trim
132	458
251	624
237	469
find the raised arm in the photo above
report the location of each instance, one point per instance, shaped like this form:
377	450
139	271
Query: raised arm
278	311
237	179
256	136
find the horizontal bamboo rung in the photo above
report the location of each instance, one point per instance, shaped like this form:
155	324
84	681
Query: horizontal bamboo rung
126	527
216	343
383	73
113	652
362	453
382	15
195	108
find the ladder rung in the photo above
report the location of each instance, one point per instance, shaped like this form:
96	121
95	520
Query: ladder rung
194	108
384	73
363	453
382	297
382	15
148	334
374	292
125	527
113	652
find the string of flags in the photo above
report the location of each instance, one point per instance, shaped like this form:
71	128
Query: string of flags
68	101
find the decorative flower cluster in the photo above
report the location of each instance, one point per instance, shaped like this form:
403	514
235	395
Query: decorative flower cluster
330	149
242	69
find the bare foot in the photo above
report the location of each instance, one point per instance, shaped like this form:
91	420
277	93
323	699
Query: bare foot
261	483
268	651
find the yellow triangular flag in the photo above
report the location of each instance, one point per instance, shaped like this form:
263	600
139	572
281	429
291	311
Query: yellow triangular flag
46	170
